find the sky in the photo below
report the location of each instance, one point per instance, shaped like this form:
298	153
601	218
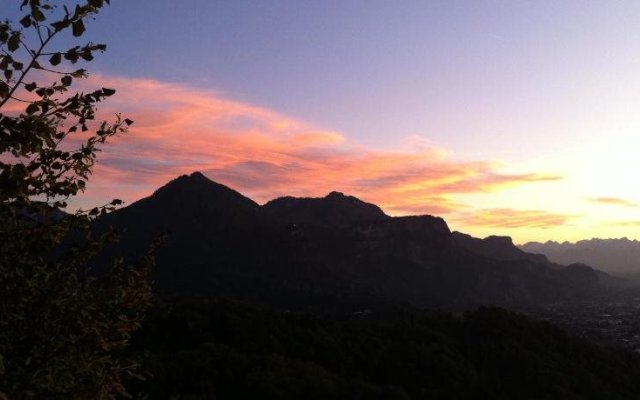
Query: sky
515	118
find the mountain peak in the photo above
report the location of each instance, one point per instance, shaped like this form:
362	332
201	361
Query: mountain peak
197	192
334	209
500	240
198	175
190	178
498	247
615	256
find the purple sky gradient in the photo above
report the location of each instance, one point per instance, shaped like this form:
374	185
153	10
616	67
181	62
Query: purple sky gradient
527	87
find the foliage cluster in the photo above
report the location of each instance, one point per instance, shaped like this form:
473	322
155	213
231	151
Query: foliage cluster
63	332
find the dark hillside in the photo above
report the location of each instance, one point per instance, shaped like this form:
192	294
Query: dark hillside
227	350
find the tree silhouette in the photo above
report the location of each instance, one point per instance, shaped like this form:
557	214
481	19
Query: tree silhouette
63	332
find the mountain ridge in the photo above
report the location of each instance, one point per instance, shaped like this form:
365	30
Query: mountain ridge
327	252
335	208
614	256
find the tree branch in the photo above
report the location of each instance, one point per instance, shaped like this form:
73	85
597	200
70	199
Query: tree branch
34	58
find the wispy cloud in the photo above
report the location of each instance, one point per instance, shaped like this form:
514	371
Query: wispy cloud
614	201
512	218
628	224
265	154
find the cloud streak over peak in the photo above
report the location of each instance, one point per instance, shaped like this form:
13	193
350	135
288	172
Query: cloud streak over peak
264	154
512	218
614	201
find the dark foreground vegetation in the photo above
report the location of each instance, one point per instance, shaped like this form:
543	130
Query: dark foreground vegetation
220	349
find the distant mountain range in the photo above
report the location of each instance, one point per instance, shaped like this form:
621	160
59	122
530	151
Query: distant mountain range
329	253
615	256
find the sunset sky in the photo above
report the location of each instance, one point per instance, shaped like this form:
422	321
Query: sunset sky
517	118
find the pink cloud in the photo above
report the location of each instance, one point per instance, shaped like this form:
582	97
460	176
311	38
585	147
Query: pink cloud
614	201
511	218
264	154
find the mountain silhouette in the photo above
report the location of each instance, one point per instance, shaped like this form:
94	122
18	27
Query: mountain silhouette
329	253
333	210
499	248
614	256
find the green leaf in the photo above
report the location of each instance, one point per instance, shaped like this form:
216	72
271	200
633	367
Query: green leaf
4	62
55	59
66	80
32	108
31	86
60	25
78	28
38	15
72	56
26	21
4	90
108	92
86	55
14	41
81	73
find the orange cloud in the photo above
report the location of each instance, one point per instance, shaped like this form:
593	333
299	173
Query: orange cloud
629	224
615	201
264	154
510	218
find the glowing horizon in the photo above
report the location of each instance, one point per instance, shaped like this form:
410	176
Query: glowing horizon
509	118
264	154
